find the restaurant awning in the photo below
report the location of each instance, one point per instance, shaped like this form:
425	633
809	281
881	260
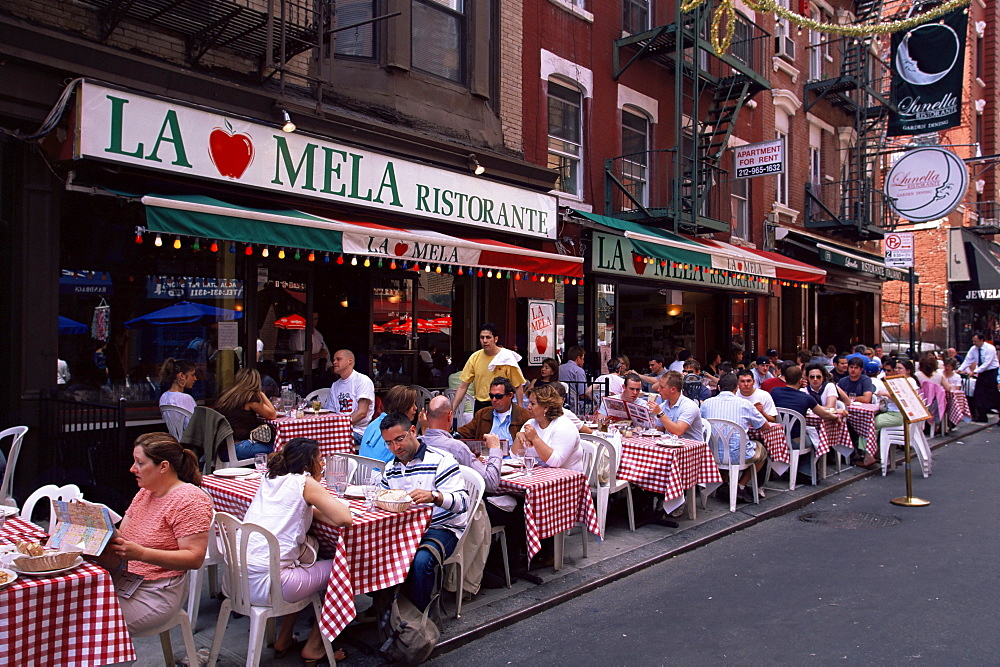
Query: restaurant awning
207	218
763	263
984	277
849	258
658	244
85	282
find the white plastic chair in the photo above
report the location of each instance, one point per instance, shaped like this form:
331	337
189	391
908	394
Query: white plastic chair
213	558
894	435
178	619
501	534
17	432
320	394
722	433
559	542
235	535
424	395
789	419
52	492
362	467
233	462
474	485
466	409
176	418
603	490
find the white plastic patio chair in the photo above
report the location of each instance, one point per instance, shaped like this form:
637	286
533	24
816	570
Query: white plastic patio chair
360	467
894	435
424	395
235	535
559	542
233	462
51	492
176	418
320	394
722	432
213	559
464	414
604	490
789	419
178	619
17	433
474	485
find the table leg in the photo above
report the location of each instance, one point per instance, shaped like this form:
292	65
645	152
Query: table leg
692	504
559	541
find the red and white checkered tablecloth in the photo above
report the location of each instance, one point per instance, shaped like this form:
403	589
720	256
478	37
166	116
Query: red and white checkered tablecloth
671	471
373	553
958	407
773	437
71	618
555	500
861	418
832	433
333	432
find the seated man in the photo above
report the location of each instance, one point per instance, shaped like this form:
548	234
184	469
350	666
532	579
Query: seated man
857	382
571	372
632	393
352	394
761	371
430	476
697	386
656	371
839	371
677	414
727	405
437	436
505	418
791	397
758	398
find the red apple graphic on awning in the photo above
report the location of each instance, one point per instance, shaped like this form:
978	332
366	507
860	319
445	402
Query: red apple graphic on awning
231	152
400	249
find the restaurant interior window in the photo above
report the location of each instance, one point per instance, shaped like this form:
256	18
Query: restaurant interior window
635	17
359	41
606	298
438	38
635	157
565	112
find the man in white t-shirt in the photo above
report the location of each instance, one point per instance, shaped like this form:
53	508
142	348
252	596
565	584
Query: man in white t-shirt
758	398
352	394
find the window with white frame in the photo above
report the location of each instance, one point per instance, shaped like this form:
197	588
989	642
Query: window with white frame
781	195
741	208
635	16
817	55
635	156
784	44
565	110
815	167
438	38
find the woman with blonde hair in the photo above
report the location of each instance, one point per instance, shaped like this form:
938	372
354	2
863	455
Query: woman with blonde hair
164	532
554	437
400	398
244	405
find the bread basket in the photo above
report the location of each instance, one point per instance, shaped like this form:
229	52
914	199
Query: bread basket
385	501
54	560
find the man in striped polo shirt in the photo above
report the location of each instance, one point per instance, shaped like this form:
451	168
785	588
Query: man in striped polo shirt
430	476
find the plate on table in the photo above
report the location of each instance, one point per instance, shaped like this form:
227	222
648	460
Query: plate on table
46	573
321	411
355	491
507	469
279	414
234	472
7	577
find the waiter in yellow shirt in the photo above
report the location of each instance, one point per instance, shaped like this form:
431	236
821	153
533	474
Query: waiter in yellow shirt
484	365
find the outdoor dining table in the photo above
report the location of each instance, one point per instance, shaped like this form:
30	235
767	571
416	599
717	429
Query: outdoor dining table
655	465
373	553
555	500
71	618
958	407
332	431
861	418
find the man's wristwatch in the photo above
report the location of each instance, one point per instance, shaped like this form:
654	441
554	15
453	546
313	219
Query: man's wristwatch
436	496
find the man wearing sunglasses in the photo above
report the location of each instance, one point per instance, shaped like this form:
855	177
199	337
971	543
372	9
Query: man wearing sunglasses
504	418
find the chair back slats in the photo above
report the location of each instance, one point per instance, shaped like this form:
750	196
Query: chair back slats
723	434
7	486
789	419
364	467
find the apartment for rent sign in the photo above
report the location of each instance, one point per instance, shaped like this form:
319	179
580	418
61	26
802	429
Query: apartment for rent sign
761	159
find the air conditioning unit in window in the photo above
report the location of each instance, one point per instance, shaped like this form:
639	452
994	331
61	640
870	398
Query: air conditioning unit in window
784	45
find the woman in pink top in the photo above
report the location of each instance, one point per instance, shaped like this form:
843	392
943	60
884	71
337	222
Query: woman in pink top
164	532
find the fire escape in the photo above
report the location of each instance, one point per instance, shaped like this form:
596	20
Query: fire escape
685	188
855	206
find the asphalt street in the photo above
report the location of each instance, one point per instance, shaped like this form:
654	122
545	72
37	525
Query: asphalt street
863	582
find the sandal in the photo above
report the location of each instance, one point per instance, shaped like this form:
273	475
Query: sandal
295	647
339	655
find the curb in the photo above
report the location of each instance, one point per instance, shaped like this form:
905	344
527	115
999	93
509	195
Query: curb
752	519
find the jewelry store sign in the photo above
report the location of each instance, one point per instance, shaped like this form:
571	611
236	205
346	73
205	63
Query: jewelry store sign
165	135
613	255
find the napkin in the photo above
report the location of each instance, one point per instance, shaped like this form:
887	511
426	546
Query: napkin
506	503
504	357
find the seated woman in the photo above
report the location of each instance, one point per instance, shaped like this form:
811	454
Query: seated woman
178	375
288	499
951	375
244	405
164	532
928	371
555	439
400	398
547	373
819	386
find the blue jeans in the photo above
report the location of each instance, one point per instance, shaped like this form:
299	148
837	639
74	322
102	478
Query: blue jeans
420	582
246	449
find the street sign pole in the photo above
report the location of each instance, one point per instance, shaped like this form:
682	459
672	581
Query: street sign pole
913	344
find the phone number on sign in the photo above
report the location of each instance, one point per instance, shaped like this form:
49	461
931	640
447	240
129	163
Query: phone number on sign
760	169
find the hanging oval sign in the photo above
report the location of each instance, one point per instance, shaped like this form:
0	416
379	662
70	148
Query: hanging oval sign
926	184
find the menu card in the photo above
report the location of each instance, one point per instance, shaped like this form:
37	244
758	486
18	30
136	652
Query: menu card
81	525
633	412
616	408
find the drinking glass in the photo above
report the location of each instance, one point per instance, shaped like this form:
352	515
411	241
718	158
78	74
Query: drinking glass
851	398
316	405
529	460
260	463
371	492
336	474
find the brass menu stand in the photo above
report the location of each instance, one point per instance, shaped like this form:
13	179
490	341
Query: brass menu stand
912	407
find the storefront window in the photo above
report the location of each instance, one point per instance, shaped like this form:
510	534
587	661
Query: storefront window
742	330
606	297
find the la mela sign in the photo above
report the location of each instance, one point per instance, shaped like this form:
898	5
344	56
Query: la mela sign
123	127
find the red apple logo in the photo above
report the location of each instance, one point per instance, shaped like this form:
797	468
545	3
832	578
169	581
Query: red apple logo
638	263
541	344
231	152
400	249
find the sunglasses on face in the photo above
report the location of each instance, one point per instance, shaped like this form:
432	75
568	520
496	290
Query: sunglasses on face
497	397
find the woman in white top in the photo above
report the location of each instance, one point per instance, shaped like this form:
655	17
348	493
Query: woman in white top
177	375
555	439
951	376
819	386
290	495
927	370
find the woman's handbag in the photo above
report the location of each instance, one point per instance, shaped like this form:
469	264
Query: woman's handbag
263	434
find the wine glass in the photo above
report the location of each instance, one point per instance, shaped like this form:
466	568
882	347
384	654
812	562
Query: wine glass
260	463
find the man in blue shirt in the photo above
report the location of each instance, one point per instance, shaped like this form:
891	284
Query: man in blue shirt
575	377
857	382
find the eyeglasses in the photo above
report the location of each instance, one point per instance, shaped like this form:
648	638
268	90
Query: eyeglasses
497	397
815	377
397	441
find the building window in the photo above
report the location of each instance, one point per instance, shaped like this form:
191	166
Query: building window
438	42
980	59
741	208
635	156
355	42
817	55
815	167
635	17
565	136
784	45
781	196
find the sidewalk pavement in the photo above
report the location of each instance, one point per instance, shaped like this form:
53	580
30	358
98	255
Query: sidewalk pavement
622	553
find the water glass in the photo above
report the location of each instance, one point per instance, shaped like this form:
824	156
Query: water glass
336	474
371	492
260	463
851	398
529	460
